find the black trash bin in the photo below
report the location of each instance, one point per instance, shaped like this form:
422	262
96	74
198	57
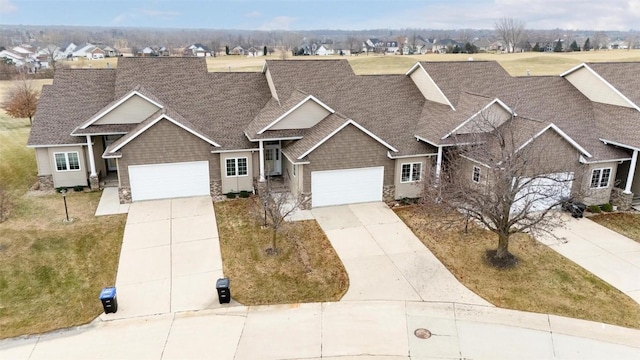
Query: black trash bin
109	300
224	295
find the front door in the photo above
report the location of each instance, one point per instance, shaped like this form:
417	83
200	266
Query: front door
272	160
108	140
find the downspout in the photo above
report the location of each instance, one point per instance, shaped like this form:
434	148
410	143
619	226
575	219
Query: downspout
632	170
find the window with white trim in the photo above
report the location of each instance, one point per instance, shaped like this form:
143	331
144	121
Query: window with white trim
67	161
411	172
600	178
236	167
475	176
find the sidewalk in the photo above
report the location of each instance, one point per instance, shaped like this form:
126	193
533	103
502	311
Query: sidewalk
607	254
366	330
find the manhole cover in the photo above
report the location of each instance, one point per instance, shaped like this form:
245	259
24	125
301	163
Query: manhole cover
422	333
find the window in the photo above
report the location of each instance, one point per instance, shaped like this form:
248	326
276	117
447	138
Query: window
68	161
476	174
411	172
295	170
600	178
237	167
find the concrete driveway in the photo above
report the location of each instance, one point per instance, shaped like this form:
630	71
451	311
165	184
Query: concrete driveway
170	258
385	260
610	256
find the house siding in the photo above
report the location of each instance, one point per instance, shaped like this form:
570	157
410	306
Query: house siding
236	183
598	196
427	86
132	111
98	149
348	149
411	189
69	178
594	89
43	160
165	142
307	115
272	87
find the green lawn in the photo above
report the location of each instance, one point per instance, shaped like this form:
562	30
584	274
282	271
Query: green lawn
627	224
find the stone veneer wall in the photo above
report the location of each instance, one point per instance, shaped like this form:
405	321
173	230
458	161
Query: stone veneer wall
621	200
388	192
215	187
124	194
94	182
45	182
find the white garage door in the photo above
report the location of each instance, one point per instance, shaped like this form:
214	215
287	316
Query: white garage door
544	192
335	187
161	181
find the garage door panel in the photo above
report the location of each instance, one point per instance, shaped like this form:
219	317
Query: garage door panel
161	181
544	192
336	187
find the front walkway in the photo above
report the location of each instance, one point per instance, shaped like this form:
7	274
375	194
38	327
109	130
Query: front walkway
385	260
170	258
610	256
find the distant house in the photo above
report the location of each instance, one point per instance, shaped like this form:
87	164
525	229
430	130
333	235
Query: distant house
254	52
238	50
382	46
482	45
444	46
154	50
196	49
109	51
324	49
12	57
83	51
96	53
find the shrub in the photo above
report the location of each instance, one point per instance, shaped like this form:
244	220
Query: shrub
594	208
59	189
78	188
244	194
606	207
231	195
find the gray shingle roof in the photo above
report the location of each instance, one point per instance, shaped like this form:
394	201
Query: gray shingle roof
624	76
74	96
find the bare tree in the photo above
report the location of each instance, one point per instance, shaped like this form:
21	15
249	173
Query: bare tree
505	182
510	31
53	54
21	100
277	206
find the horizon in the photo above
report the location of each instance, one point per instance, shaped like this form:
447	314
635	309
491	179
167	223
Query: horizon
328	15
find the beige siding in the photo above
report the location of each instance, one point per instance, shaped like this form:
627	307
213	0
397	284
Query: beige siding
410	189
427	86
255	160
348	149
594	88
490	119
236	183
272	87
165	142
69	178
307	115
132	111
598	196
43	160
295	181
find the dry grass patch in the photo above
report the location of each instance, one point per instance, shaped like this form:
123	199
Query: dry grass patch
543	282
627	224
307	269
51	272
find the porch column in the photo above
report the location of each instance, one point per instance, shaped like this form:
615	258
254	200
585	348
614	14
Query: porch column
92	162
262	178
632	171
439	163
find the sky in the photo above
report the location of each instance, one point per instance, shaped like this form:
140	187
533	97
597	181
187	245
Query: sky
327	14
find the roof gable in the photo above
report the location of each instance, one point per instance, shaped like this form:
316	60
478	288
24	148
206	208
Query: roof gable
562	134
490	117
338	129
148	123
427	86
305	114
132	108
597	88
